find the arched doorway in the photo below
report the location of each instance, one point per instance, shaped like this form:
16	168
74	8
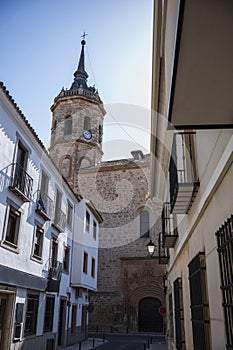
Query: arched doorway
149	318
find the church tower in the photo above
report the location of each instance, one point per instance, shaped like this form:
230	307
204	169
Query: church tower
77	125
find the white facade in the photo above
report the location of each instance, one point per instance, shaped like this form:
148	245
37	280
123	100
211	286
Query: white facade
39	227
85	242
192	174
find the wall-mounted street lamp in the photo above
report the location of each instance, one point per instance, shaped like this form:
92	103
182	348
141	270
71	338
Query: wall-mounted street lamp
151	248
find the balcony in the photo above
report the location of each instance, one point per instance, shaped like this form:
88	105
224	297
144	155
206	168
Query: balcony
169	228
44	206
59	220
182	170
54	275
163	252
201	88
20	182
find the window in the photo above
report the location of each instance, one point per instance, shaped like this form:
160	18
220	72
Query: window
66	259
199	304
87	222
69	215
225	243
68	126
31	314
66	166
179	314
38	242
58	205
60	216
93	267
44	184
100	133
85	262
22	155
21	182
144	224
49	312
94	229
87	123
73	319
12	230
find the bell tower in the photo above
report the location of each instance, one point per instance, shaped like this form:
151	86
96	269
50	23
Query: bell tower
77	125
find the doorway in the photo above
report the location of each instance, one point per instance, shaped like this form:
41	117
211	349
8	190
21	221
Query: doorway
62	322
84	321
149	318
6	307
2	318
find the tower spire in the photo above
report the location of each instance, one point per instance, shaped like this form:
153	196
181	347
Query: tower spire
80	75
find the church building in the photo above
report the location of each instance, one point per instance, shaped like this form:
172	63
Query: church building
130	288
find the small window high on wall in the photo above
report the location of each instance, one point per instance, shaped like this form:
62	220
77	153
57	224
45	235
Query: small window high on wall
87	123
144	224
68	125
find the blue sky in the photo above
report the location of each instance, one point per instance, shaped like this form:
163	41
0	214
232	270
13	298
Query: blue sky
40	48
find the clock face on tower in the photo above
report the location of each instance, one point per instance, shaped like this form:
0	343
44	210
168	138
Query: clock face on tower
87	134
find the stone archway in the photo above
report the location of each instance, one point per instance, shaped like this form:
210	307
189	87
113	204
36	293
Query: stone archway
149	318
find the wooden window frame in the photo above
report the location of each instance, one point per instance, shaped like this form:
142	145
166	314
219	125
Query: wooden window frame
31	315
85	262
49	313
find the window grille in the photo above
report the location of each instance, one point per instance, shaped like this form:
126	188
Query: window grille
179	314
199	304
225	253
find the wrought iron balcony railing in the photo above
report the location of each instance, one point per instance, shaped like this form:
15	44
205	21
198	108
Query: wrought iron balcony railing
183	178
20	182
169	228
55	268
54	275
60	220
163	252
44	205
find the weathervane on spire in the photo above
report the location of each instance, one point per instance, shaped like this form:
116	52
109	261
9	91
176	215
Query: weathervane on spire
83	42
84	35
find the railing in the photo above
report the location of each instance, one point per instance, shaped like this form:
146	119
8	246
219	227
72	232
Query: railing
182	171
44	204
169	228
20	180
55	268
225	240
163	252
179	314
79	92
60	219
54	275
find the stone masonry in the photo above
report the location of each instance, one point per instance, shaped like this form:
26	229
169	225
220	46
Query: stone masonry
119	190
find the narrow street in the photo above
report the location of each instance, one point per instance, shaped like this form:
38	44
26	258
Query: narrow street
121	342
132	342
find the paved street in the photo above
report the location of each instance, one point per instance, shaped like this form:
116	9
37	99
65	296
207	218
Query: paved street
132	342
121	342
